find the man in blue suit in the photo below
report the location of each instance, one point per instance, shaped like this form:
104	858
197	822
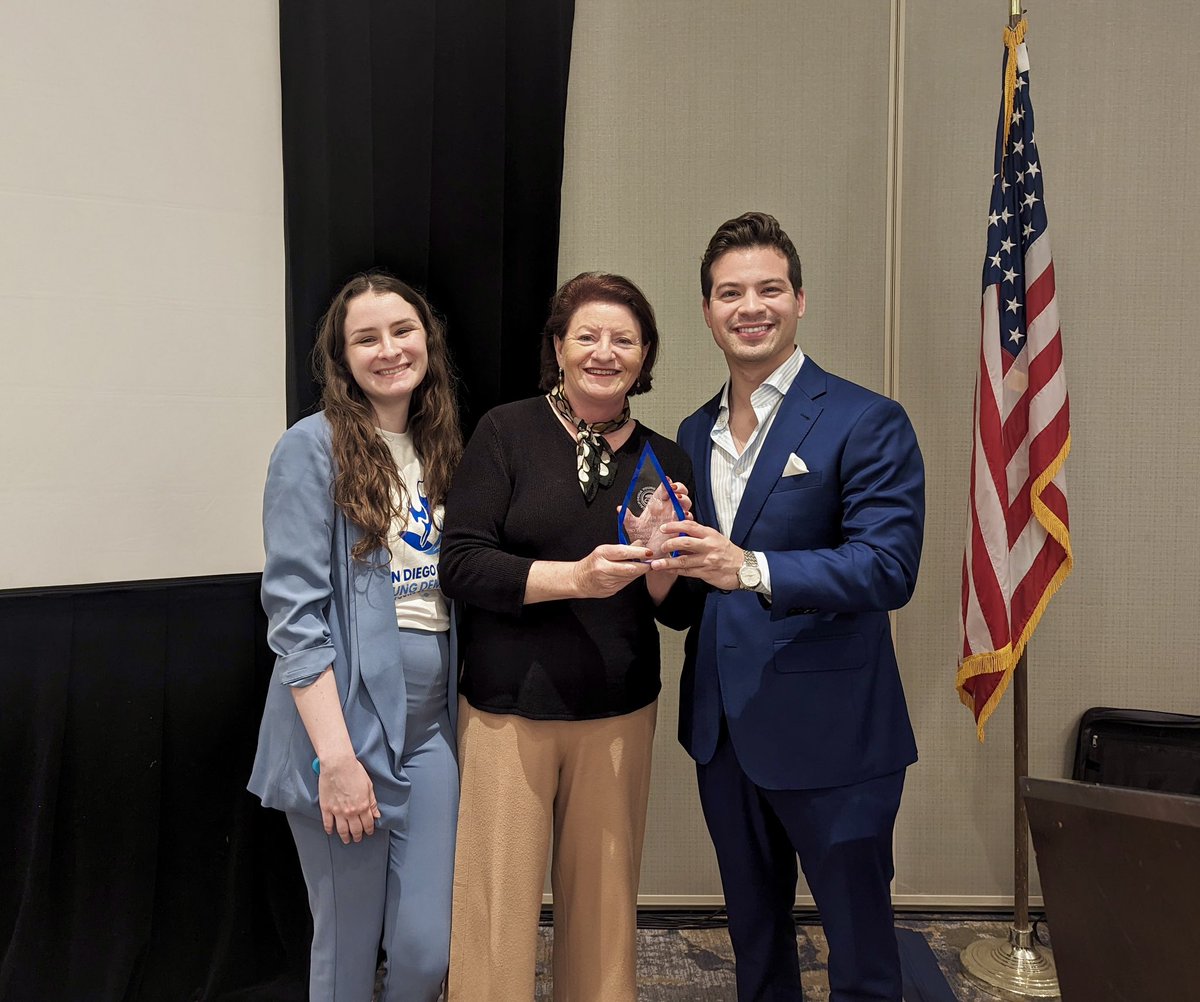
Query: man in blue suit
809	513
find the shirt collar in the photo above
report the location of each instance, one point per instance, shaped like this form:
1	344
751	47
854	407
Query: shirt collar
780	380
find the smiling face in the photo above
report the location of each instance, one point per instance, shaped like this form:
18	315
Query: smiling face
386	353
600	356
753	309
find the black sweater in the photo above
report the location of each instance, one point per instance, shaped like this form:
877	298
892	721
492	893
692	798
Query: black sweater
515	499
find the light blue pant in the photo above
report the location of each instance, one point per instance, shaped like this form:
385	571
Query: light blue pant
392	888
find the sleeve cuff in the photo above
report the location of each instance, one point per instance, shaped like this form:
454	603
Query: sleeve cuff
764	586
302	668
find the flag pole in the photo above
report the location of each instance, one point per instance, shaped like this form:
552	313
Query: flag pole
1017	965
1020	771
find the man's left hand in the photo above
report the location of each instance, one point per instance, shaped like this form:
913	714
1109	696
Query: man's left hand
703	553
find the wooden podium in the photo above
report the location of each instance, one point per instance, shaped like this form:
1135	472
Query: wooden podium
1120	872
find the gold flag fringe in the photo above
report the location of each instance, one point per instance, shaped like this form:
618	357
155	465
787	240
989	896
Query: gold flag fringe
1005	660
1013	37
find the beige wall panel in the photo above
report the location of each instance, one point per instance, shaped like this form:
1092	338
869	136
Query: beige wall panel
1118	136
141	282
682	114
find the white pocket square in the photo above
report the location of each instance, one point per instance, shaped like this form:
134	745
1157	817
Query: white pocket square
795	466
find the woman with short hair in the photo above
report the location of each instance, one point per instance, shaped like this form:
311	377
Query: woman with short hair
560	671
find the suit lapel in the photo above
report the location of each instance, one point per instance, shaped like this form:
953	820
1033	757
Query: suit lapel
797	412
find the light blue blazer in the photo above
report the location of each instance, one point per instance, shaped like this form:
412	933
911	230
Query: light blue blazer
325	608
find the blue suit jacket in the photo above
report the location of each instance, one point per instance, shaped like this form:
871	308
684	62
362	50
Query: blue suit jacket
808	683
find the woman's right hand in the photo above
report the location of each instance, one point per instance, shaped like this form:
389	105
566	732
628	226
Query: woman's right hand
609	568
347	798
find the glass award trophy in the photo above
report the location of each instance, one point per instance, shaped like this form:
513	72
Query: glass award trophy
649	504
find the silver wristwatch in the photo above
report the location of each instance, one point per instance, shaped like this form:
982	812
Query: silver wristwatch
749	575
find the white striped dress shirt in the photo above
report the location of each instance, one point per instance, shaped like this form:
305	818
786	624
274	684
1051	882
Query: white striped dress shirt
729	470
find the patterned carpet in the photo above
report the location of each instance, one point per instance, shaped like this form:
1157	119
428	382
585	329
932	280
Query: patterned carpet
696	965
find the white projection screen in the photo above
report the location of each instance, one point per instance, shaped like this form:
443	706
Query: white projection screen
141	288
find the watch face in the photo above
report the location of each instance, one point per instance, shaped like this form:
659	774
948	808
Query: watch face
749	576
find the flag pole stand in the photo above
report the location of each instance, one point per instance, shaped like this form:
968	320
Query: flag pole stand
1017	965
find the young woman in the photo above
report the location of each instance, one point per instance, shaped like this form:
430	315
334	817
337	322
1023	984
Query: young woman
357	738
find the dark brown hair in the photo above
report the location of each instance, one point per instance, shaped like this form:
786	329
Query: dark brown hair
598	287
750	229
367	487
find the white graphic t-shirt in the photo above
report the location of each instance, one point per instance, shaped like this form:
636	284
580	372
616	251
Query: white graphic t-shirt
415	544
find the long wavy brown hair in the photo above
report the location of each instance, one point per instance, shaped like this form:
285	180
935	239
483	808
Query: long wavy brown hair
367	487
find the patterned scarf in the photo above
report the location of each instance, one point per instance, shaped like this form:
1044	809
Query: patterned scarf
594	460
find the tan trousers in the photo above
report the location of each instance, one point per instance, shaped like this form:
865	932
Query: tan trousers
585	780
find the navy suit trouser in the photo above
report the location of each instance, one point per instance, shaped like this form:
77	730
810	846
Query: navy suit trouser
843	838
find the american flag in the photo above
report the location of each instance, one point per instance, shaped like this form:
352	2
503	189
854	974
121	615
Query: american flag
1018	549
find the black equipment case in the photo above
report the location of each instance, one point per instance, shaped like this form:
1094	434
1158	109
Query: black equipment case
1145	749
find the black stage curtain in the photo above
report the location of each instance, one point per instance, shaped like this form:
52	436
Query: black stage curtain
136	866
427	138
